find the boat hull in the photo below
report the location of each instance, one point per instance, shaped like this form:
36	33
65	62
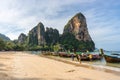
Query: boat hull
112	59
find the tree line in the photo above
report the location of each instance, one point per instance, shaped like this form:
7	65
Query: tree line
66	42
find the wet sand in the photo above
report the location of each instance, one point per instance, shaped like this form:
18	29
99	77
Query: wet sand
23	66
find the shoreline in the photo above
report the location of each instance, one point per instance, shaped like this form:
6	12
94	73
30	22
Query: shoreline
85	65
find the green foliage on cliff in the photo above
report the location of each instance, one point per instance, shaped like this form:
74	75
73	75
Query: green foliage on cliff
51	36
32	39
86	46
69	42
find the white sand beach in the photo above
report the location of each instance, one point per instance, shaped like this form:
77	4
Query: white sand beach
23	66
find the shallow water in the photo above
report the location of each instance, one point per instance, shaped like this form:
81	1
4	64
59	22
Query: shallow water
102	62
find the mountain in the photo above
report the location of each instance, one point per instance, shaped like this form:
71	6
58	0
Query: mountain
77	26
75	36
22	38
36	36
5	38
51	36
39	36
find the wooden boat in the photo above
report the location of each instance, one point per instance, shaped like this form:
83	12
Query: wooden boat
84	57
112	58
64	54
96	57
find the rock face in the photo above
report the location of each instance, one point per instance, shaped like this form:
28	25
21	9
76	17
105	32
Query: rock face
77	26
22	38
75	36
51	36
37	35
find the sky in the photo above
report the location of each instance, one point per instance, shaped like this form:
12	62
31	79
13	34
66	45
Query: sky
103	18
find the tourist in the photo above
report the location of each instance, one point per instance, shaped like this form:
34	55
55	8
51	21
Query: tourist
78	58
72	56
90	57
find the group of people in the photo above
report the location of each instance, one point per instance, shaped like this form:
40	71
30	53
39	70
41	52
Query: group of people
79	56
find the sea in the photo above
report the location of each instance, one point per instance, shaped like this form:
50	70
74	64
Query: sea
103	64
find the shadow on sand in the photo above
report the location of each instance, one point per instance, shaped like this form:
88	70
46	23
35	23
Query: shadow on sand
4	76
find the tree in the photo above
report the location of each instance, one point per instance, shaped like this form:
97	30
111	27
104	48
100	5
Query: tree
69	41
51	36
2	44
9	46
19	47
57	47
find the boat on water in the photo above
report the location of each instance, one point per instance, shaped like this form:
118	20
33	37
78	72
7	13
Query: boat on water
113	58
84	57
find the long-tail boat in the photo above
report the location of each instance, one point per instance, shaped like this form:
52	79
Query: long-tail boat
113	58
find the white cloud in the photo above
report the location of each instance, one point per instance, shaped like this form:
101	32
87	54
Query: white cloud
104	28
17	16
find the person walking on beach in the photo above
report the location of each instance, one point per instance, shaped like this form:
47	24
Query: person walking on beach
79	58
72	56
90	57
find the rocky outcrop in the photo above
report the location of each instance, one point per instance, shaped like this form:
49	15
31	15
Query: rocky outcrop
77	26
22	38
37	35
75	36
51	36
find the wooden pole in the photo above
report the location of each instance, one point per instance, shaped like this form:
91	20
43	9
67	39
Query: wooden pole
101	51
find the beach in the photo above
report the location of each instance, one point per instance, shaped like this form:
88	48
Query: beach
24	66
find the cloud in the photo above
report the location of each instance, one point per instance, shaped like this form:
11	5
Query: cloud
23	15
20	16
104	28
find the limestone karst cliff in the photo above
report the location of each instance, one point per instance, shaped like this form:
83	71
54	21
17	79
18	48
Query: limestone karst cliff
78	26
37	35
51	36
22	38
75	36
